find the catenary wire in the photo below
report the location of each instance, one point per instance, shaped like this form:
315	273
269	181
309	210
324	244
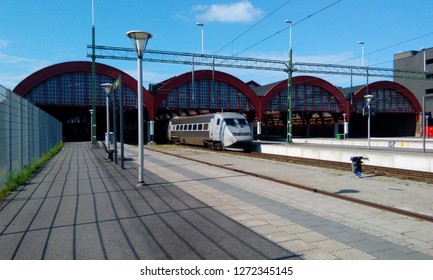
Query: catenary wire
246	31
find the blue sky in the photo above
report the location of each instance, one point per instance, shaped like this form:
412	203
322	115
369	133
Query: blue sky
38	33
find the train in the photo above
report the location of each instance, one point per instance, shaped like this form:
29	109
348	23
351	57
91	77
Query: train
219	131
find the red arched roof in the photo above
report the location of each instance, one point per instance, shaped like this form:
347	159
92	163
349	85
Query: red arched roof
310	80
25	86
175	82
359	95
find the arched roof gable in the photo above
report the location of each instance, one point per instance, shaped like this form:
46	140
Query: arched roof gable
310	80
177	81
359	95
38	77
26	85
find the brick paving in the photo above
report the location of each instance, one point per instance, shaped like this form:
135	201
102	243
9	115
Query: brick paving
80	206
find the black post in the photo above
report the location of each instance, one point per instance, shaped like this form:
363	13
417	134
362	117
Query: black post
114	126
122	159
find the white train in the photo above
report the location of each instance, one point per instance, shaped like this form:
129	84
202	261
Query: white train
216	131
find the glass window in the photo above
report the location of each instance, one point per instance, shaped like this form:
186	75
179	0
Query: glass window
206	126
230	122
242	121
200	126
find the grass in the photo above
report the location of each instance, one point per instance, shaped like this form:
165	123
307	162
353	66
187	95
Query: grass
16	179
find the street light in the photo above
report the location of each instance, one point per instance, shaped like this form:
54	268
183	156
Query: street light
368	99
202	35
289	88
345	126
91	126
362	50
107	87
139	41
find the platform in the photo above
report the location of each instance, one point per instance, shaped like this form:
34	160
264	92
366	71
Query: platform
401	153
81	206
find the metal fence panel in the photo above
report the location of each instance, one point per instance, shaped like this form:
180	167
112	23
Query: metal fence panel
26	133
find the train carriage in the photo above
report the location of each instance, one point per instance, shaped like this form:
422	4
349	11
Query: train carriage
217	131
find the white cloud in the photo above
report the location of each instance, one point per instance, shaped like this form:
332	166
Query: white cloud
242	11
3	43
14	69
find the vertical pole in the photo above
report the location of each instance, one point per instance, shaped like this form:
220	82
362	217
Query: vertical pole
202	40
423	124
107	137
122	150
193	78
368	125
91	127
140	119
369	113
114	126
289	89
289	102
94	140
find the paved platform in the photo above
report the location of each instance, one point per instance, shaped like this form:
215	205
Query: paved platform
80	206
401	153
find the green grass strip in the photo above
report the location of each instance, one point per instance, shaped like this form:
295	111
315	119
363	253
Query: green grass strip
16	179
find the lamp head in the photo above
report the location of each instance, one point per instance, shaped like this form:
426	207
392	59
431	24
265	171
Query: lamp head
107	87
368	98
139	40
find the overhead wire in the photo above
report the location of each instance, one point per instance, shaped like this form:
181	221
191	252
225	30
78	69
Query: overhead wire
249	29
294	24
388	47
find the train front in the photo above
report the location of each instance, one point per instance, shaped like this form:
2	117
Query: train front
237	134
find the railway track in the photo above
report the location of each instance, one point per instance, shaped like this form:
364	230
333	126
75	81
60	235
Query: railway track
419	176
405	174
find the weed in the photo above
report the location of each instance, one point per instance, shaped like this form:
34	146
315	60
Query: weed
16	179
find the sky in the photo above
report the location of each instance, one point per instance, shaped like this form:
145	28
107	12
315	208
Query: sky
38	33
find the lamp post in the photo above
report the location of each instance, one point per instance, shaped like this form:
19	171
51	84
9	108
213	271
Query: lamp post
368	99
91	127
139	41
202	35
362	52
289	88
107	87
345	130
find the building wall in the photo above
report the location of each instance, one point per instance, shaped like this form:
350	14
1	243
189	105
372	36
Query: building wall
414	60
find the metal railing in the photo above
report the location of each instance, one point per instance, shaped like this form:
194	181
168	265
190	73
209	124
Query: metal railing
26	133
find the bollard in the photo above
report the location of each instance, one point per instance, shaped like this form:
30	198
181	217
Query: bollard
357	165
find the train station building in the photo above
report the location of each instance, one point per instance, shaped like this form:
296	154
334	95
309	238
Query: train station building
320	109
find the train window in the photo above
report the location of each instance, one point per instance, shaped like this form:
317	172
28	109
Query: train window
177	127
189	126
200	126
230	122
242	121
182	127
206	126
218	121
194	127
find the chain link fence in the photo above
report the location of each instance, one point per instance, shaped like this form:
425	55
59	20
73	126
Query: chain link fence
26	133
